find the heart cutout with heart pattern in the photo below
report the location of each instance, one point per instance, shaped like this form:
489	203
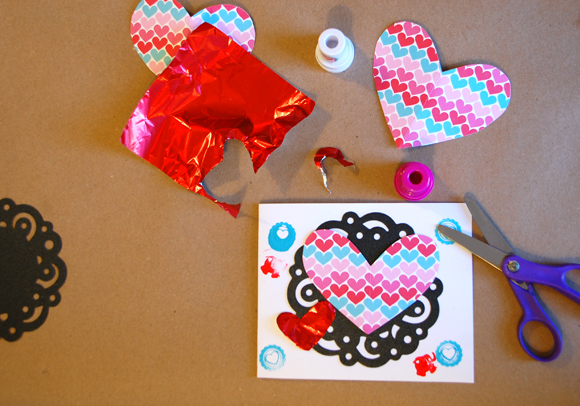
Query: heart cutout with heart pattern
159	27
370	295
424	105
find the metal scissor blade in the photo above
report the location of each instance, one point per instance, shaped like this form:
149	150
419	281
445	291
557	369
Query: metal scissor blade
489	230
489	254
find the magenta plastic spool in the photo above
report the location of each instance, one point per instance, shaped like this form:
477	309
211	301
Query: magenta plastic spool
414	181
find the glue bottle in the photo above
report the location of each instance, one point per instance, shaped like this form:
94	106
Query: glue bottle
414	181
335	51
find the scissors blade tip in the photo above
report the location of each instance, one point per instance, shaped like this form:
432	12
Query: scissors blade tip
489	254
491	233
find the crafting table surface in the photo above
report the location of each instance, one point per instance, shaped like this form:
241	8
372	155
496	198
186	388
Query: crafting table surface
160	302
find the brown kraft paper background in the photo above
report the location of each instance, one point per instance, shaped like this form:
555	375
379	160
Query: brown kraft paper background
159	306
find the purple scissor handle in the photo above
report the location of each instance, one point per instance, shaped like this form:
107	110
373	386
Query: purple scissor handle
521	274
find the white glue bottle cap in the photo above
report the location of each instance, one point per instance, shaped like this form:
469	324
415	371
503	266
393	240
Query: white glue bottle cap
334	52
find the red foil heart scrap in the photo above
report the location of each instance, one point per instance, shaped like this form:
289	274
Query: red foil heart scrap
305	332
330	152
213	91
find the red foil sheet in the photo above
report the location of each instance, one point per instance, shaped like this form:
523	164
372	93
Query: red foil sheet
329	152
213	91
306	332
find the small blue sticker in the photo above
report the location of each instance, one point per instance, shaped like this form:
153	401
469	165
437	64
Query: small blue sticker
449	353
281	237
447	223
272	358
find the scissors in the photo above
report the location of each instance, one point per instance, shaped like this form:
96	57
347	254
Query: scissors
520	273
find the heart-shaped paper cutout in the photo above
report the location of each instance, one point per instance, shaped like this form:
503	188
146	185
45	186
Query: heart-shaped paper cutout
159	27
305	332
424	105
370	295
231	20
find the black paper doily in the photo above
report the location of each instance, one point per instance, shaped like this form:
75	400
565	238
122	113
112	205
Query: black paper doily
31	272
401	335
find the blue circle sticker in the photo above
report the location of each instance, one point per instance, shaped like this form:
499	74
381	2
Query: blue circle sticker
449	353
447	223
281	237
272	358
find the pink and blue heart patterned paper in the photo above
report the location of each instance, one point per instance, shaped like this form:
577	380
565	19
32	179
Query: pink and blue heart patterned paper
231	20
370	295
159	27
424	105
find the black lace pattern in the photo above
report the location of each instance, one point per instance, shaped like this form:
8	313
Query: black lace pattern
31	272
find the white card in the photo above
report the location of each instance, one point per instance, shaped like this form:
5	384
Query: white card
404	315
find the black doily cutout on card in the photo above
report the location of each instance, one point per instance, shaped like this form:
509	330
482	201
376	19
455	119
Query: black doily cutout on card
31	272
401	335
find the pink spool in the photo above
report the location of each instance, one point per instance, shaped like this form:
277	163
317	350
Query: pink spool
414	181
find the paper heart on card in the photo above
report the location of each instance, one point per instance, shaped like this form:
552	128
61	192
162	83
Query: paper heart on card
381	280
370	295
356	257
424	105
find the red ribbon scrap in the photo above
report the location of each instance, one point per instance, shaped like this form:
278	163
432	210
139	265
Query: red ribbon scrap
305	332
213	91
329	152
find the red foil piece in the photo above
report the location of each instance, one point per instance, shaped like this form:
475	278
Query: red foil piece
329	152
213	91
306	332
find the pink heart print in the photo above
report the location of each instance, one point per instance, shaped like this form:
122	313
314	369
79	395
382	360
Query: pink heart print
159	27
370	295
424	105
